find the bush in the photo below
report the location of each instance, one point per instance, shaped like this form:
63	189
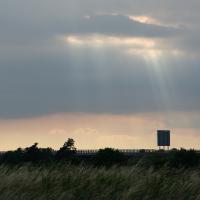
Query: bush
108	157
29	154
183	158
13	157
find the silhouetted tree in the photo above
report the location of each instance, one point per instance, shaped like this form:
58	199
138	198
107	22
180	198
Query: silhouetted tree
32	153
67	150
69	145
13	157
35	154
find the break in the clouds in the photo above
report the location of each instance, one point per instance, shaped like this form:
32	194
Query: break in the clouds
119	57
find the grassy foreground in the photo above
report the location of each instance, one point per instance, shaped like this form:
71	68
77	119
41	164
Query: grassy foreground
63	182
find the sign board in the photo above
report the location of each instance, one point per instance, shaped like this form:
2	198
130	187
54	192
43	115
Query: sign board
163	138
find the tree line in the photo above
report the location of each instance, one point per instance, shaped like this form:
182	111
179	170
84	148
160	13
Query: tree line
107	157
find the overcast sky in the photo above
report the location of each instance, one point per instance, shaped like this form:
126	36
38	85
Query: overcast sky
116	57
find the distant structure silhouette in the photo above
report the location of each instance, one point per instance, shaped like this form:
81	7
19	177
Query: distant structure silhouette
163	139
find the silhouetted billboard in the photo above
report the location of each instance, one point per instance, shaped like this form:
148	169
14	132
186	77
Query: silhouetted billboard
163	137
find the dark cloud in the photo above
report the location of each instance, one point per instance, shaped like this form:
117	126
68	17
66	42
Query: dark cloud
27	32
39	74
118	25
73	84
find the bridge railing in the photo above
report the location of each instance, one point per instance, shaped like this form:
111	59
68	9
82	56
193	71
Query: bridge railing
93	151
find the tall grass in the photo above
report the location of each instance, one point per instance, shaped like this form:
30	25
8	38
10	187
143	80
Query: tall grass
63	182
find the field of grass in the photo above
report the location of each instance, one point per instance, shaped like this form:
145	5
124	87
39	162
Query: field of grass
63	182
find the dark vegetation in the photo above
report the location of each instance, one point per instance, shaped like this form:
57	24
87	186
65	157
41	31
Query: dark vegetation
104	157
43	173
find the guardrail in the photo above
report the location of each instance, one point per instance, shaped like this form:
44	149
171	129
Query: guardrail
93	151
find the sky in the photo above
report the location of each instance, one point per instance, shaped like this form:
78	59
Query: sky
106	73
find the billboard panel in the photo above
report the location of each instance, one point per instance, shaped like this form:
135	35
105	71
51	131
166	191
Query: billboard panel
163	138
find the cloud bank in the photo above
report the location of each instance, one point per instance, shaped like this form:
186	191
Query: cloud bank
98	57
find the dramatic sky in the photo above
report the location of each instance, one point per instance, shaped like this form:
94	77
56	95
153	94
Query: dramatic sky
104	72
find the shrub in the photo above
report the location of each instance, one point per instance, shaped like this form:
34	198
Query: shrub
108	157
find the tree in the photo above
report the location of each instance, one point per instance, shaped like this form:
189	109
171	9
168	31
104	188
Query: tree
69	145
13	157
67	150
